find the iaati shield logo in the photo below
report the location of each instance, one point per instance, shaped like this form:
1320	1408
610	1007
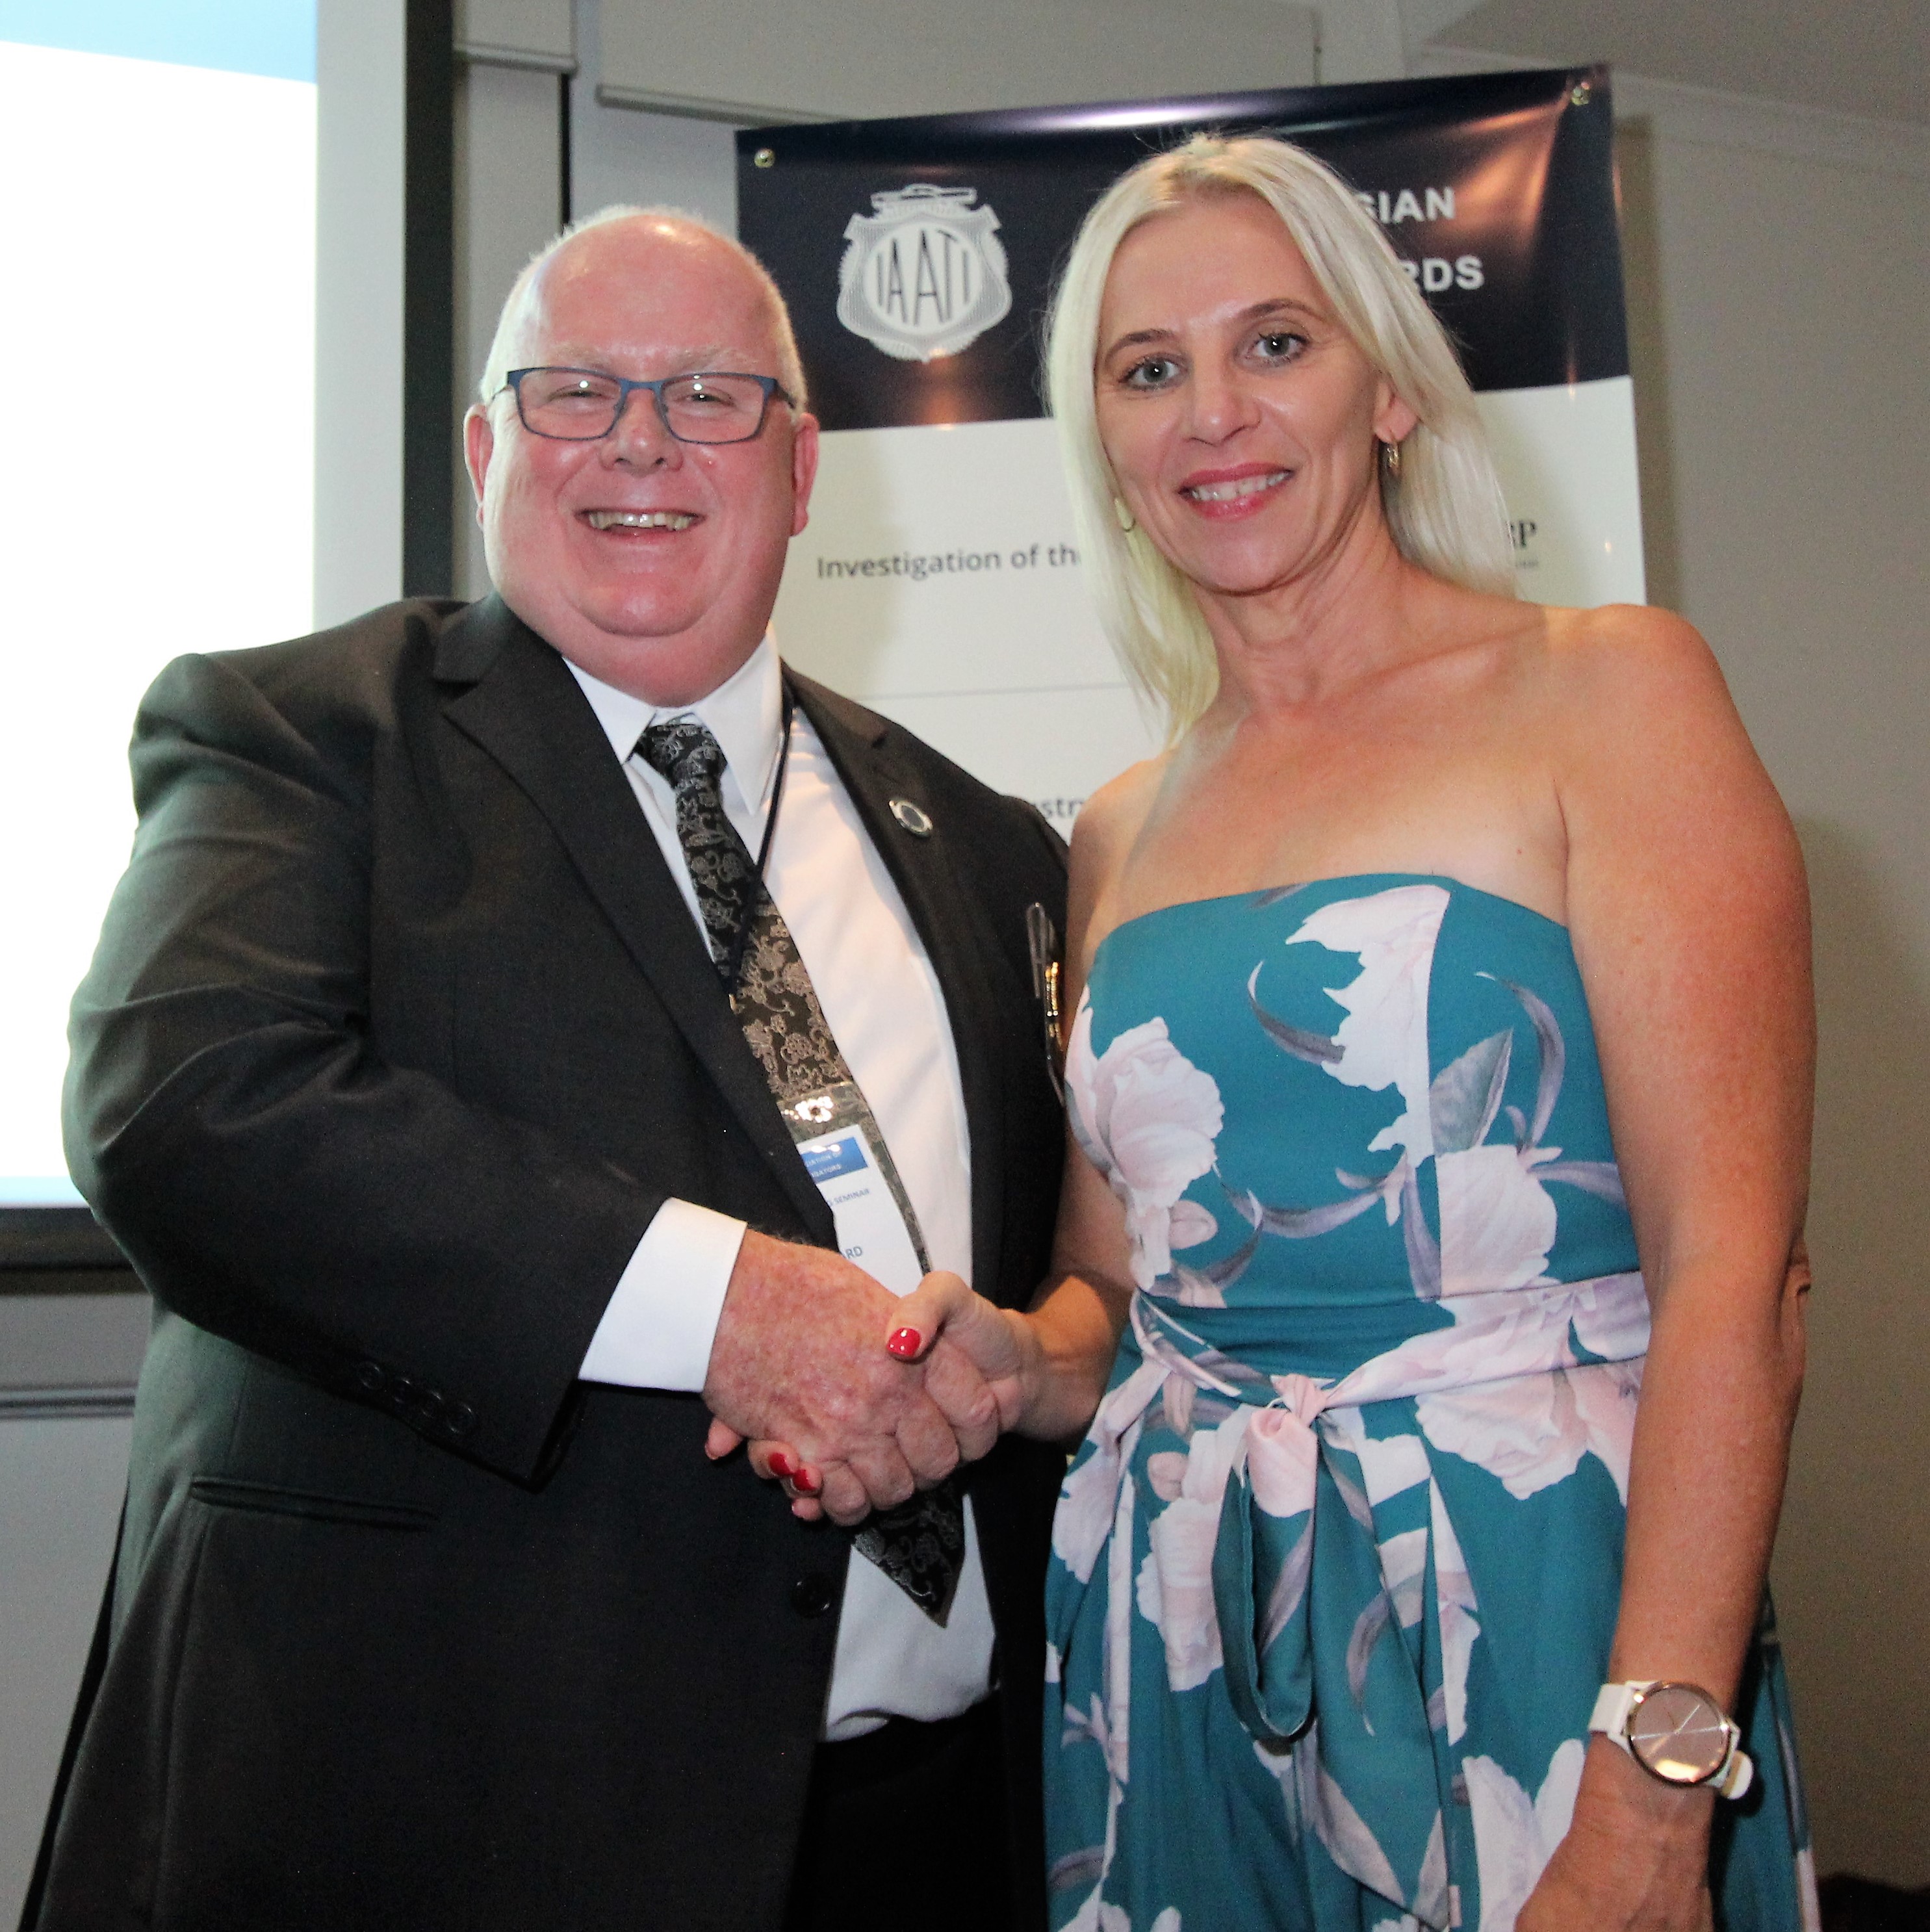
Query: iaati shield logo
923	275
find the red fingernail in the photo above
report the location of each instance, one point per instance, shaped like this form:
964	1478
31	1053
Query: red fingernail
905	1343
780	1464
805	1482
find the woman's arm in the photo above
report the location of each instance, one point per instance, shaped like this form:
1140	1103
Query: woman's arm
1690	919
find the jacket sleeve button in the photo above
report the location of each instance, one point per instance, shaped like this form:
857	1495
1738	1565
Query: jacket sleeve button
458	1419
812	1596
370	1378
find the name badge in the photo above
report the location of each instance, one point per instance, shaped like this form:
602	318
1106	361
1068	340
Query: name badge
870	1231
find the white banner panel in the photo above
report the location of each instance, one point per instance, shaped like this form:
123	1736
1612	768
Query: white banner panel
1567	459
938	582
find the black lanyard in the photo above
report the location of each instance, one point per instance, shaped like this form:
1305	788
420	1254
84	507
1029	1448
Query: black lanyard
734	965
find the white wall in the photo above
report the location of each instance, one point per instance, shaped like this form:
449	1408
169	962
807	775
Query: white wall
68	1363
508	202
60	1498
621	154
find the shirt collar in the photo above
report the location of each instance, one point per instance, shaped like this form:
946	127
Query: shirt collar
744	713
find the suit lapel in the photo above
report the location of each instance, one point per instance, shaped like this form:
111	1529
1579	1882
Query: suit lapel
951	927
519	703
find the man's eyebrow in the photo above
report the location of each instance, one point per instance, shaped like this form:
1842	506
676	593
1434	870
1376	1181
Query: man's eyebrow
679	362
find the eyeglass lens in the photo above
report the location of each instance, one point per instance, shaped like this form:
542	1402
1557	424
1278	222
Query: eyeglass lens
579	405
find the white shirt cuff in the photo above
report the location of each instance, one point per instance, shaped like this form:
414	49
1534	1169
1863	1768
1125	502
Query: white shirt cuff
657	1331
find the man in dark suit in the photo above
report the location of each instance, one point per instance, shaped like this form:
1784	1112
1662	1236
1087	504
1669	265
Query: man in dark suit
508	1014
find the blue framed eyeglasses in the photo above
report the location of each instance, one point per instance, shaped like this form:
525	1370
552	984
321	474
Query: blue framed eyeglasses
712	405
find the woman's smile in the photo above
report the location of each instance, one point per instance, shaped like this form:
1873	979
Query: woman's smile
1240	492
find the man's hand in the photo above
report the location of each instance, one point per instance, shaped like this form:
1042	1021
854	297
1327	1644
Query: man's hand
973	1356
797	1361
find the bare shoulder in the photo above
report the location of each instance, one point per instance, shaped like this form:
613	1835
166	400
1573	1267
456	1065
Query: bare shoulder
1103	835
1110	819
1630	664
1655	771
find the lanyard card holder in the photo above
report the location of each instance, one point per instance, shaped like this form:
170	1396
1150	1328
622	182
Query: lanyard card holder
844	1153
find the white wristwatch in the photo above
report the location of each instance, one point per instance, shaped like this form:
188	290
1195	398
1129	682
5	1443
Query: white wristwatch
1676	1732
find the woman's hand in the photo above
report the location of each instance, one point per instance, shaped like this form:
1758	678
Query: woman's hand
999	1343
1636	1858
972	1355
775	1461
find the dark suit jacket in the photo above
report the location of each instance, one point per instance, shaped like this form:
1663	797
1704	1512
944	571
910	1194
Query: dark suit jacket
398	1035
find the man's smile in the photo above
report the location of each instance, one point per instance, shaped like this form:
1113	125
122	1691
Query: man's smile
640	519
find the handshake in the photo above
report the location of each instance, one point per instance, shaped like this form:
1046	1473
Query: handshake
850	1396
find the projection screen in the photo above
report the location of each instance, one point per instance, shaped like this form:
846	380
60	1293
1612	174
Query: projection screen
159	493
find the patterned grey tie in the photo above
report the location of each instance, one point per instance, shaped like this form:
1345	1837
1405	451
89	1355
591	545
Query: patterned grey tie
919	1544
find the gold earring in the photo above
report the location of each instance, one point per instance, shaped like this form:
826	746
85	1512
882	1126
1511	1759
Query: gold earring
1124	516
1391	455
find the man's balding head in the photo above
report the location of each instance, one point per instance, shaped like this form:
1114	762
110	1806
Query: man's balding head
521	306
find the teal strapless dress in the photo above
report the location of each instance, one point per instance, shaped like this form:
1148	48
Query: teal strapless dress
1335	1572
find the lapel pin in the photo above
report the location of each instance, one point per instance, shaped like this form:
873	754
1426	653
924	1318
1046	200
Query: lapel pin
1042	938
913	817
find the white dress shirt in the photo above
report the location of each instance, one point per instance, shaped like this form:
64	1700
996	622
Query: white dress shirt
886	1012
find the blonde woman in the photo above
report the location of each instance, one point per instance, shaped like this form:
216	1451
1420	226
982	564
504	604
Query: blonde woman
1439	1089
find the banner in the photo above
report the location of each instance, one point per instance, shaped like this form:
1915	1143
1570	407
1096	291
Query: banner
938	582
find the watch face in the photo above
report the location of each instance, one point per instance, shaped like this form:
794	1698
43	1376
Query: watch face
1677	1732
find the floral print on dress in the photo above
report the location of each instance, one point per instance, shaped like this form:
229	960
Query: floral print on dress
1383	1040
1334	1573
1515	1835
1146	1118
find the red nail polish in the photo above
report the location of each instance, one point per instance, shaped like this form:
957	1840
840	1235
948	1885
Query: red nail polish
804	1483
905	1344
780	1464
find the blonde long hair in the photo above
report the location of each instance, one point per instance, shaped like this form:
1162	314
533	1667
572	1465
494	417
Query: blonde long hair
1444	510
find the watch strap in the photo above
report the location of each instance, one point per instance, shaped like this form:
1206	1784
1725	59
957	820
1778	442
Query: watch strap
1613	1703
1738	1772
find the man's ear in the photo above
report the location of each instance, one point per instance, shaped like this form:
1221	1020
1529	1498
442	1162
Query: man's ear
804	470
479	446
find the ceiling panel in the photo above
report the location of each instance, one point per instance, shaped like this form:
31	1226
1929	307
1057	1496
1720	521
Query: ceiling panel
741	60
